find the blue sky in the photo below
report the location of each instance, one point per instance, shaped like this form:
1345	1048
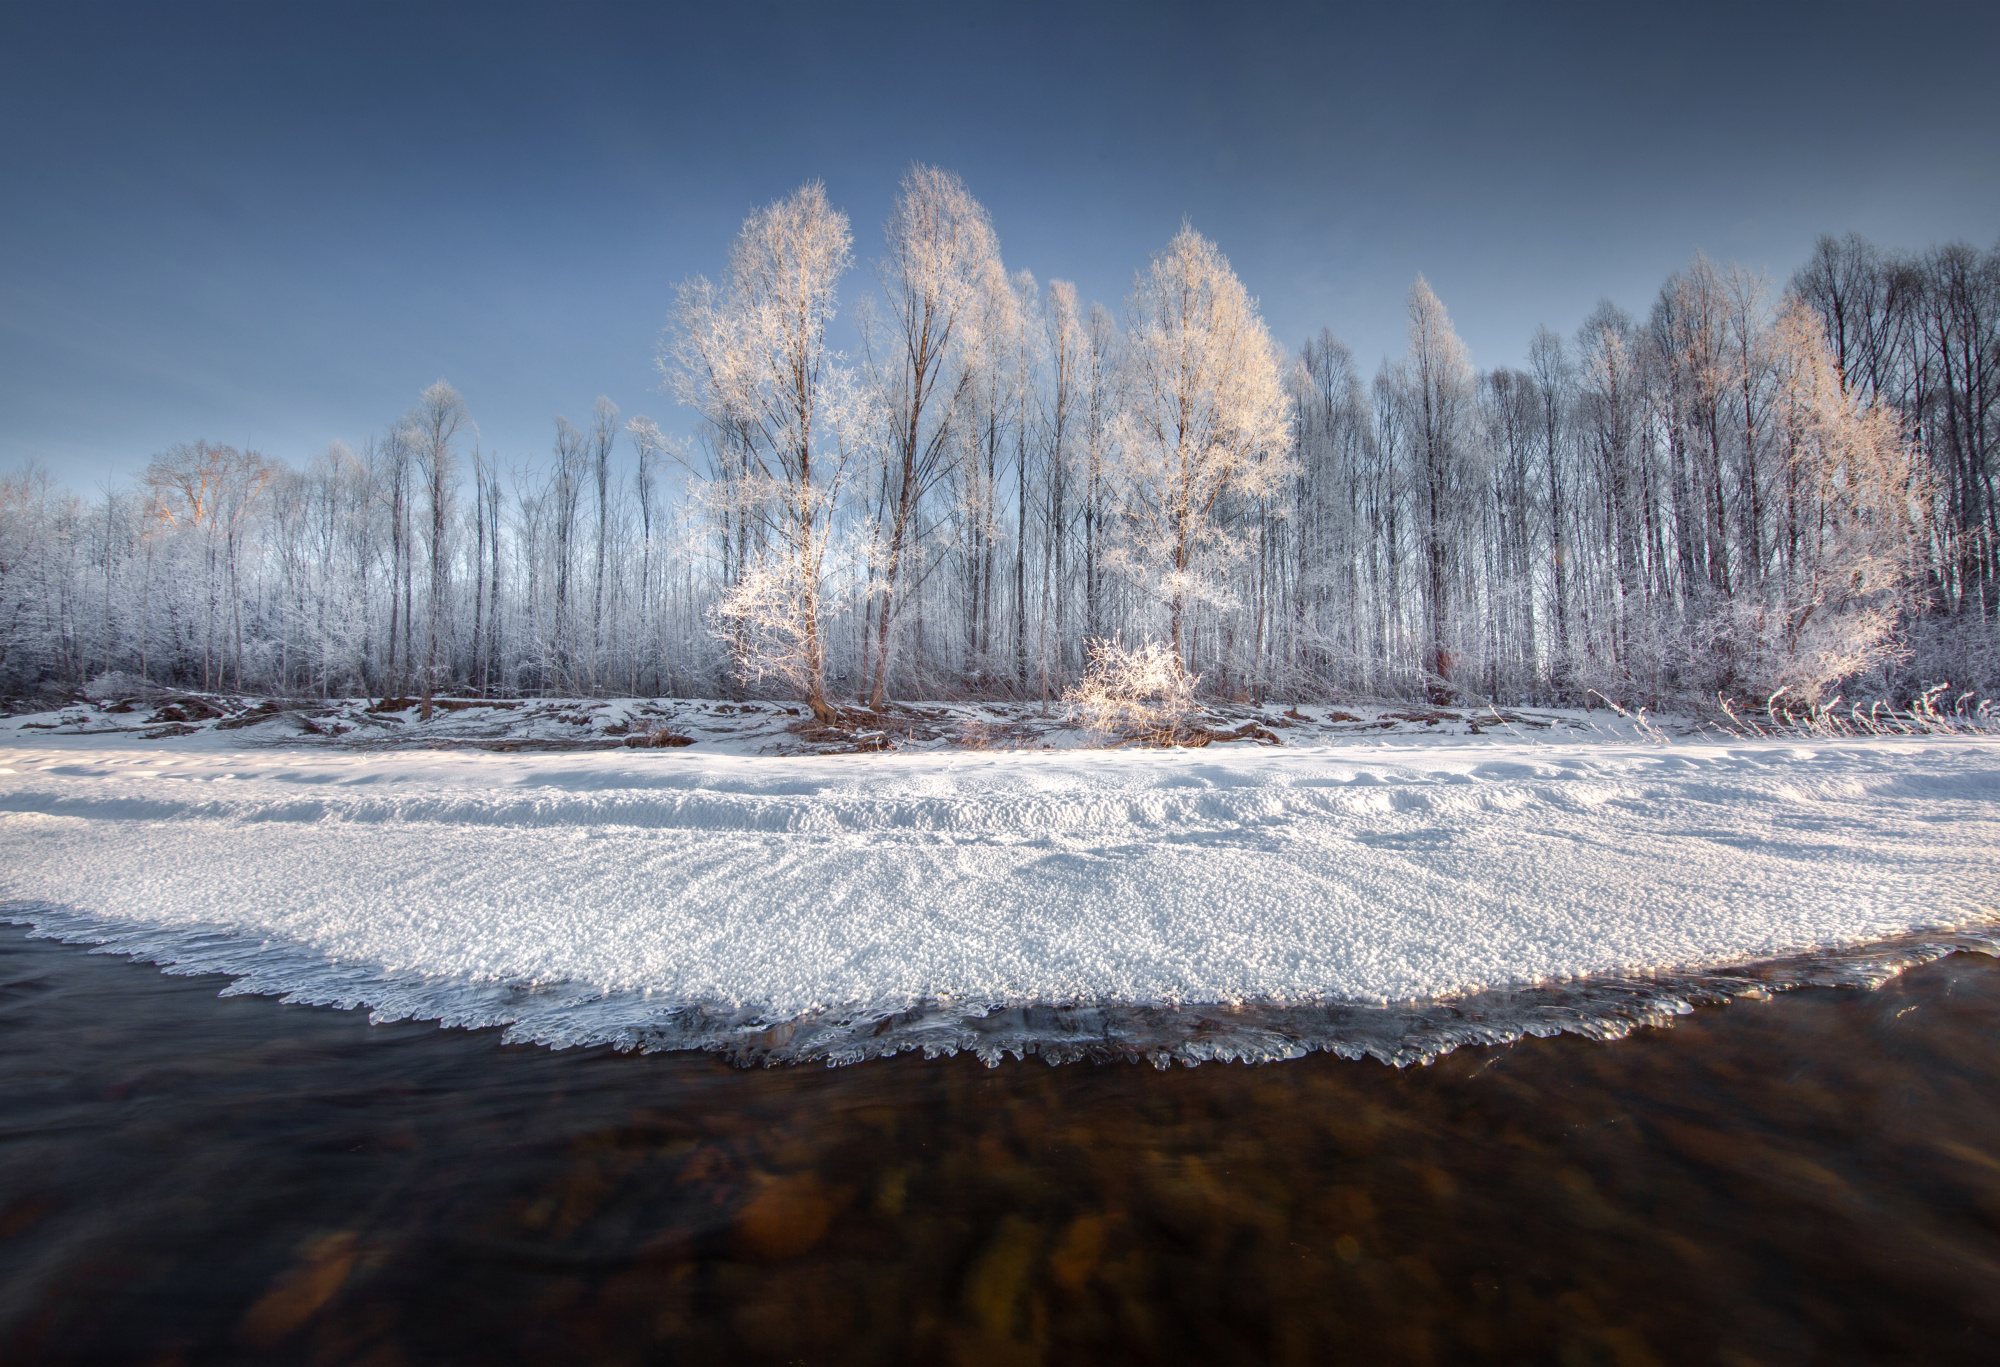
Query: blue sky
273	225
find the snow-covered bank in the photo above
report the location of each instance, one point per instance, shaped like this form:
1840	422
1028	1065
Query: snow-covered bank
662	898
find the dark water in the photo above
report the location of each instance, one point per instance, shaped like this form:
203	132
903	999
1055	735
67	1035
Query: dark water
187	1179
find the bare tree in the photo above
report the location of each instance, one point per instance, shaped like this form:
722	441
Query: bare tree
565	492
211	491
1436	391
1553	378
1068	353
436	423
652	447
603	433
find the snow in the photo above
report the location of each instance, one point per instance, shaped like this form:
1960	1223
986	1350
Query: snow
602	895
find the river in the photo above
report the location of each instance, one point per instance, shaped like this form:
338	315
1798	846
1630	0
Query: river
193	1179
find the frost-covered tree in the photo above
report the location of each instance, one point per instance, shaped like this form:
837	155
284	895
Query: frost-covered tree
208	494
989	440
751	356
1204	424
1706	501
1553	378
436	422
1061	422
940	253
1849	502
1621	655
1435	392
603	435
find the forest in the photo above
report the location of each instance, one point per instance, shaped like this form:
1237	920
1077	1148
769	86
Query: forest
1754	490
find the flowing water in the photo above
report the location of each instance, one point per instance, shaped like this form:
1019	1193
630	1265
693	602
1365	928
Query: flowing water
187	1179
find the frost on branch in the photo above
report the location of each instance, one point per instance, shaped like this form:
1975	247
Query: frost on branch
772	620
751	357
1136	693
1145	694
1204	432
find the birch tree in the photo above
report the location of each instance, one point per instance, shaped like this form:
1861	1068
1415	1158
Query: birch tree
751	356
436	422
1204	420
1436	387
940	251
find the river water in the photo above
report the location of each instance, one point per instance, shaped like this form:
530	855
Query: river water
187	1179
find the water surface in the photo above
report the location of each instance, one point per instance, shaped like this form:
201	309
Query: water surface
186	1179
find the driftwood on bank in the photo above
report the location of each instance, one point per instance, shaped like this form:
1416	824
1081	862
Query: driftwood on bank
657	740
441	704
1195	737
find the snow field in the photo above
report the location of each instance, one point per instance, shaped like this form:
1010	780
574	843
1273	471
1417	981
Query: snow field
622	883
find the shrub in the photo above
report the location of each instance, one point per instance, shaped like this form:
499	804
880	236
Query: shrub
114	685
1141	693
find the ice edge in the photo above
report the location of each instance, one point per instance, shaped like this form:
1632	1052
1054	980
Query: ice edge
570	1015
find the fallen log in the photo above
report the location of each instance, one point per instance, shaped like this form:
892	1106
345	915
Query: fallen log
657	740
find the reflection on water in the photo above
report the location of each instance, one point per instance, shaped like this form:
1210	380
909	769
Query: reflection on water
186	1179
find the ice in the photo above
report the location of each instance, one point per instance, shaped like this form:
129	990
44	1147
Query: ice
1390	900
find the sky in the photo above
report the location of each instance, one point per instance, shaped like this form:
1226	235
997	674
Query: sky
274	225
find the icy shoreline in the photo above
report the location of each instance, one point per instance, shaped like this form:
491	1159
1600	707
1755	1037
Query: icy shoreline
1396	1033
1393	900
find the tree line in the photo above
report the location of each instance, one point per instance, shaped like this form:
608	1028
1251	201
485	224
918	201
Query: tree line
1749	491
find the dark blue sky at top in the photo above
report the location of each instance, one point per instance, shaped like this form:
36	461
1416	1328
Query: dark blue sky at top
272	225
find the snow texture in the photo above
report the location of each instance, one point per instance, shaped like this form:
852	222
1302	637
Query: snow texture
1196	904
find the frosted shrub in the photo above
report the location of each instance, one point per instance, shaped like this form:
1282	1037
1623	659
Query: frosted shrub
1141	693
113	685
